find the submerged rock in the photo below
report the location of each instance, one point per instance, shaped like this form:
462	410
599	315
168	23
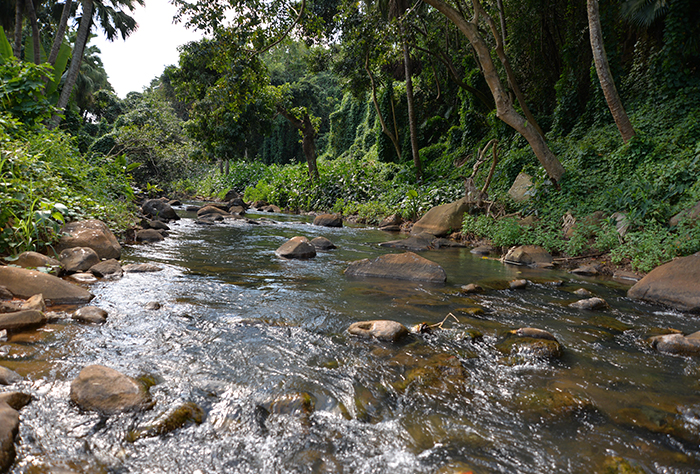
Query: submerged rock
142	268
405	266
674	284
414	243
108	391
180	417
296	247
383	330
530	341
91	233
519	284
26	283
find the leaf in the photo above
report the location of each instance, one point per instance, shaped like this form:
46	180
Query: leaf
5	47
64	54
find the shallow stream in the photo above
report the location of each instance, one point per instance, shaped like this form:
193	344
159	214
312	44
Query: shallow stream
260	344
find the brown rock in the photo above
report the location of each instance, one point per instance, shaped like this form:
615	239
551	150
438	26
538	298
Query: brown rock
78	259
211	211
590	304
415	243
322	243
405	266
155	208
677	344
36	260
383	330
91	233
587	270
9	427
109	269
296	247
21	320
530	255
519	284
107	391
148	236
90	314
26	283
16	400
674	284
9	377
329	220
472	288
443	220
141	268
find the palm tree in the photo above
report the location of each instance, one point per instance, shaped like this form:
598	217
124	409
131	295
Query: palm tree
113	20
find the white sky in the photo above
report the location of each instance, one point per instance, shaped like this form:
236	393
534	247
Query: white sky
134	63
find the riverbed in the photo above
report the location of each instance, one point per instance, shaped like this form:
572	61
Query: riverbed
261	345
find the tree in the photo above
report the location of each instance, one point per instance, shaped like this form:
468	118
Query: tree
607	83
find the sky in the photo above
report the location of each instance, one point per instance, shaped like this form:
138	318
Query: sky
133	63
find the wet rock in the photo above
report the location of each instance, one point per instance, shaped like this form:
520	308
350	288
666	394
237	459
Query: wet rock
153	224
107	391
405	266
619	465
153	306
38	260
529	255
677	344
530	342
296	247
535	333
212	211
297	403
205	221
391	223
109	269
443	220
329	220
437	375
91	233
475	311
383	330
148	236
180	417
9	377
83	277
587	270
482	250
471	288
192	208
270	208
656	420
582	292
9	427
236	210
674	284
414	243
16	400
624	276
519	284
155	208
521	190
141	268
35	303
78	259
551	404
21	320
90	314
322	243
590	304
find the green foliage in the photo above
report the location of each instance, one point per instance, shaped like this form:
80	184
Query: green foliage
22	90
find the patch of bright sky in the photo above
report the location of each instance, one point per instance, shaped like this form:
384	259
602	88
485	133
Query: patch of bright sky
133	63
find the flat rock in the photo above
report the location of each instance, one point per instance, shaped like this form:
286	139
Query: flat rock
590	304
148	236
482	250
108	269
677	344
141	268
90	314
587	270
471	288
443	220
296	247
9	427
529	255
404	266
82	277
25	283
78	259
21	320
35	303
329	220
322	243
9	377
108	391
155	208
91	233
383	330
154	224
674	284
414	243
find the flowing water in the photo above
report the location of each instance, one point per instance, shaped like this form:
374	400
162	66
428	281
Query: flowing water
260	344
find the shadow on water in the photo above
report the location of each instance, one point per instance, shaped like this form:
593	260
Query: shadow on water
260	344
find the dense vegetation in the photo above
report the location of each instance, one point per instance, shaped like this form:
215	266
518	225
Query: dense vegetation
373	109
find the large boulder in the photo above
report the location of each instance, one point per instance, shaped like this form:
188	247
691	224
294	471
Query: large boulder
404	266
521	190
383	330
674	284
296	247
329	220
93	234
9	427
155	208
108	391
78	259
443	220
530	255
25	283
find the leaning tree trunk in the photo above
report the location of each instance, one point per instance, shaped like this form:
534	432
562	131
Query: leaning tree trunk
72	75
504	106
34	22
607	83
308	140
60	32
413	129
17	46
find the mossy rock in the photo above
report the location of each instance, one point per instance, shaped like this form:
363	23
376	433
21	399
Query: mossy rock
442	373
610	323
476	311
618	465
524	346
552	405
655	420
182	416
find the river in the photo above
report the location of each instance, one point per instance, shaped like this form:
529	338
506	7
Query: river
260	344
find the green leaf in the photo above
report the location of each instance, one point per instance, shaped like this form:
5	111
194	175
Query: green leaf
64	55
5	47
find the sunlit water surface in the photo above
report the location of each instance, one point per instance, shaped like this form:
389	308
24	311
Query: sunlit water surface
260	344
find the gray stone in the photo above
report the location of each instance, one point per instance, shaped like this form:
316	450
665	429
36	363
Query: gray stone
109	269
296	247
519	284
674	284
521	190
590	304
108	391
156	208
529	255
443	220
472	288
91	233
90	314
25	283
78	259
9	377
383	330
141	268
677	344
405	266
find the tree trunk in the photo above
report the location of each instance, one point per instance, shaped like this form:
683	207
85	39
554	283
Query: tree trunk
308	140
34	22
413	129
607	83
504	106
393	137
60	32
17	46
72	75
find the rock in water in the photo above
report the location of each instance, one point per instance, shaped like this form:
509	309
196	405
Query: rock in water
109	269
78	259
91	233
329	220
404	266
107	391
296	247
322	243
90	314
21	320
9	377
9	427
26	283
590	304
442	220
674	284
384	330
155	208
530	255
